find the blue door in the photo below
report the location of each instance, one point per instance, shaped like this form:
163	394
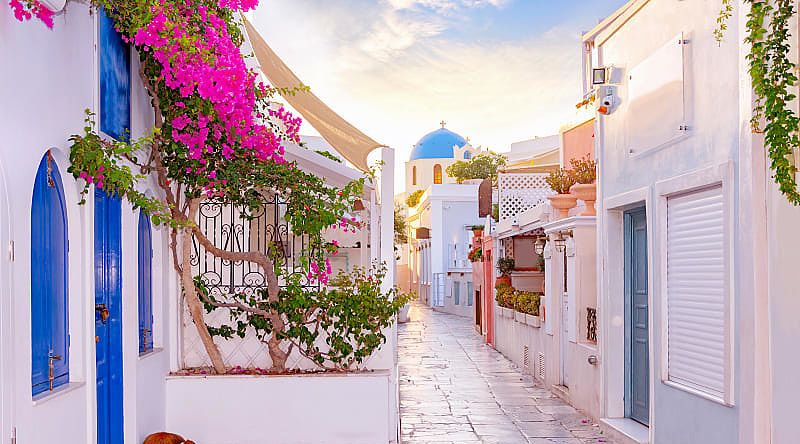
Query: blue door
637	350
108	316
49	269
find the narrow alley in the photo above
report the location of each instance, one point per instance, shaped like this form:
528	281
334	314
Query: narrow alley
455	389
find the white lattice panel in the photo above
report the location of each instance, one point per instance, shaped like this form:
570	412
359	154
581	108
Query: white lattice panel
246	353
520	192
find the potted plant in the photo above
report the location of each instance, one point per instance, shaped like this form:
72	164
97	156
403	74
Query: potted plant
585	172
475	255
505	265
528	303
504	295
477	230
561	181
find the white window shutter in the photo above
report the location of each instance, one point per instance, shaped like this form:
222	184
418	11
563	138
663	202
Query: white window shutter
697	292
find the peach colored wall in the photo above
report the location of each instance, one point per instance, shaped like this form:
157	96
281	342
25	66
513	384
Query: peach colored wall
578	141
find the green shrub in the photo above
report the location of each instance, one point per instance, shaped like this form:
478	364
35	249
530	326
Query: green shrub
506	265
504	295
527	302
413	199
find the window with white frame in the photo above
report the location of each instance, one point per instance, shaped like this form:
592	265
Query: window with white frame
697	292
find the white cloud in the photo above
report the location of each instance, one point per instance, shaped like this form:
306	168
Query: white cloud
394	74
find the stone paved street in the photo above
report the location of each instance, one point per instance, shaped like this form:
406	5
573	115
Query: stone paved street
455	389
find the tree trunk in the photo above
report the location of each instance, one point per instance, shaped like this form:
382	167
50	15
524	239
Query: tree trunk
193	301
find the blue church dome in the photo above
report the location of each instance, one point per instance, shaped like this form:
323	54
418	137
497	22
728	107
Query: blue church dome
437	145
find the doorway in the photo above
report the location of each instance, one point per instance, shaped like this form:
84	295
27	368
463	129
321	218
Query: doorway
108	317
637	348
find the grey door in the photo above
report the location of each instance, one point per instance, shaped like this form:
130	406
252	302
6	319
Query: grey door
637	350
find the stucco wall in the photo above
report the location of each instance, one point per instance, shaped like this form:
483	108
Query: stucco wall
578	142
711	98
784	301
44	93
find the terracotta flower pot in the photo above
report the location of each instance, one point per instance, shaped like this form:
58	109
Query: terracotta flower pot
502	280
563	203
587	192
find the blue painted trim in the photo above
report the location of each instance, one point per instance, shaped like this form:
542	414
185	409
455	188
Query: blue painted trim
108	291
145	287
49	279
115	80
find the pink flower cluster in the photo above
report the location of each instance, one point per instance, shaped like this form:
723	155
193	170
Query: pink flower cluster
97	178
26	9
319	274
200	60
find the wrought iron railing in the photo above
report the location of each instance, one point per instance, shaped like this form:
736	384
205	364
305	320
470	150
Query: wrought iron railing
591	324
236	229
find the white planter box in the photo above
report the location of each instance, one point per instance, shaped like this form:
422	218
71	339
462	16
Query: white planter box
519	316
506	312
309	409
403	315
532	320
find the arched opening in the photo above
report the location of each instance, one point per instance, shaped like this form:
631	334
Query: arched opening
49	285
467	155
414	175
437	174
145	284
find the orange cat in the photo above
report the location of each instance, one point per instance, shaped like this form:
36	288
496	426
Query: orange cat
166	438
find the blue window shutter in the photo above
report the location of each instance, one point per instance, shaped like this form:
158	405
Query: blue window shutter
49	285
145	284
115	80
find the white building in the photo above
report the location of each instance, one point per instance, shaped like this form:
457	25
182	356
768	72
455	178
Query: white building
91	321
440	224
699	250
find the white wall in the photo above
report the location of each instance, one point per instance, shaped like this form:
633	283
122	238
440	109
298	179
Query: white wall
331	409
711	98
44	93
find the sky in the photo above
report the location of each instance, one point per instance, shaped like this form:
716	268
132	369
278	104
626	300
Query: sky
496	71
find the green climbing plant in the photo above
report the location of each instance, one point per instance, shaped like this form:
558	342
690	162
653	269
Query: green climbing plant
773	76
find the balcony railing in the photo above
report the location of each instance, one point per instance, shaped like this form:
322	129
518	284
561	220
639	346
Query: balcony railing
520	192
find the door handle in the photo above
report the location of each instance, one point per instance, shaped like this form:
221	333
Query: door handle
102	310
51	366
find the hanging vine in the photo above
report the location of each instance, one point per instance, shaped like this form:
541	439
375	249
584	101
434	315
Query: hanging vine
773	76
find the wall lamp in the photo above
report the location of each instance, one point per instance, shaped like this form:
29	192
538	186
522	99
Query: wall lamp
538	247
560	240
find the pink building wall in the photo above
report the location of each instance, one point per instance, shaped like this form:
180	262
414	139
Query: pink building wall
578	141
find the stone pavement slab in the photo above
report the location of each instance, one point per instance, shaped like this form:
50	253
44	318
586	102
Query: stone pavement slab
454	389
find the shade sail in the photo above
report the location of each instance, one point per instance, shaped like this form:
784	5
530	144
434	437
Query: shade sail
351	143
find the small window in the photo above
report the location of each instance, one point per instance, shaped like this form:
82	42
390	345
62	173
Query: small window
115	80
413	175
698	333
437	174
470	294
467	155
145	284
457	292
49	286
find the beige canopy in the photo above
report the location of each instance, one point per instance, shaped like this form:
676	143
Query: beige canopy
351	143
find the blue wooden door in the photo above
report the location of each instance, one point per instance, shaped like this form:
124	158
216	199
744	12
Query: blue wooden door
637	396
49	269
108	317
